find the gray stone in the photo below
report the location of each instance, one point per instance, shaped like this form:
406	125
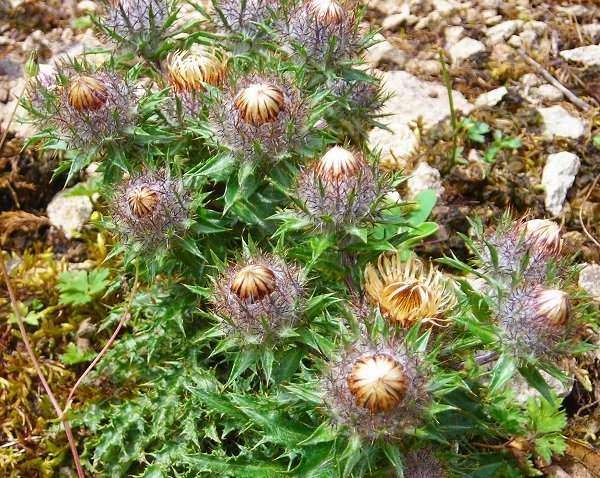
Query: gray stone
557	121
588	55
454	33
385	52
447	7
395	145
573	10
465	49
590	29
531	79
69	213
558	176
491	17
491	98
503	30
424	177
547	93
413	98
393	21
589	280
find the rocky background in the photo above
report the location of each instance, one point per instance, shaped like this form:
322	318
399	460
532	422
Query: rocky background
525	79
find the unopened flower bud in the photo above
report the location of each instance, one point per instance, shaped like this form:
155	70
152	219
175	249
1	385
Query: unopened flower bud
253	282
260	103
188	71
87	94
378	382
337	164
544	233
552	307
327	11
142	201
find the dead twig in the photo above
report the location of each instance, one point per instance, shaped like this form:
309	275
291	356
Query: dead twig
553	81
38	369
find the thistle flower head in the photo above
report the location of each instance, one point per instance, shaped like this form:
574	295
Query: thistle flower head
534	318
324	28
341	185
189	71
261	117
378	382
86	108
259	297
148	208
243	17
376	388
327	11
406	293
544	234
260	103
87	93
424	464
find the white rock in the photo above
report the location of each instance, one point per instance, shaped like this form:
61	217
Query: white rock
465	49
490	18
558	176
69	213
515	41
589	280
573	10
454	34
490	3
385	52
547	93
446	7
531	79
557	121
590	29
424	177
503	30
392	21
491	98
87	6
413	98
588	55
395	145
535	25
528	37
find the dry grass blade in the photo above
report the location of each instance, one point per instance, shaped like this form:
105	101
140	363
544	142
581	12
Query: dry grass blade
19	221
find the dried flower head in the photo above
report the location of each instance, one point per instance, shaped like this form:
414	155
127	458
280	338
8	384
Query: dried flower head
406	293
85	108
376	388
137	21
340	187
543	233
87	93
261	117
424	464
326	29
534	318
189	71
259	297
243	17
149	208
361	94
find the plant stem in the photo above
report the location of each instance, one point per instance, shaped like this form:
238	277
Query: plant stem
452	110
38	369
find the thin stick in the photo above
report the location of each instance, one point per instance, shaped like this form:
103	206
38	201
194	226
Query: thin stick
581	211
38	369
451	103
553	81
111	340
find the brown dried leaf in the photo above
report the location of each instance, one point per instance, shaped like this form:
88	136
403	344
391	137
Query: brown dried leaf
19	221
580	460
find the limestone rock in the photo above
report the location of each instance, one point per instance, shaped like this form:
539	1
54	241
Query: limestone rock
385	52
424	177
503	31
491	98
395	145
413	98
589	280
588	55
69	213
547	93
558	176
465	49
557	121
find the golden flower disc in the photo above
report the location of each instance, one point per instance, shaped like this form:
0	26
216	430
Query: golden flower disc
87	94
260	103
544	233
253	282
337	164
404	299
327	11
552	307
378	382
142	201
188	71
